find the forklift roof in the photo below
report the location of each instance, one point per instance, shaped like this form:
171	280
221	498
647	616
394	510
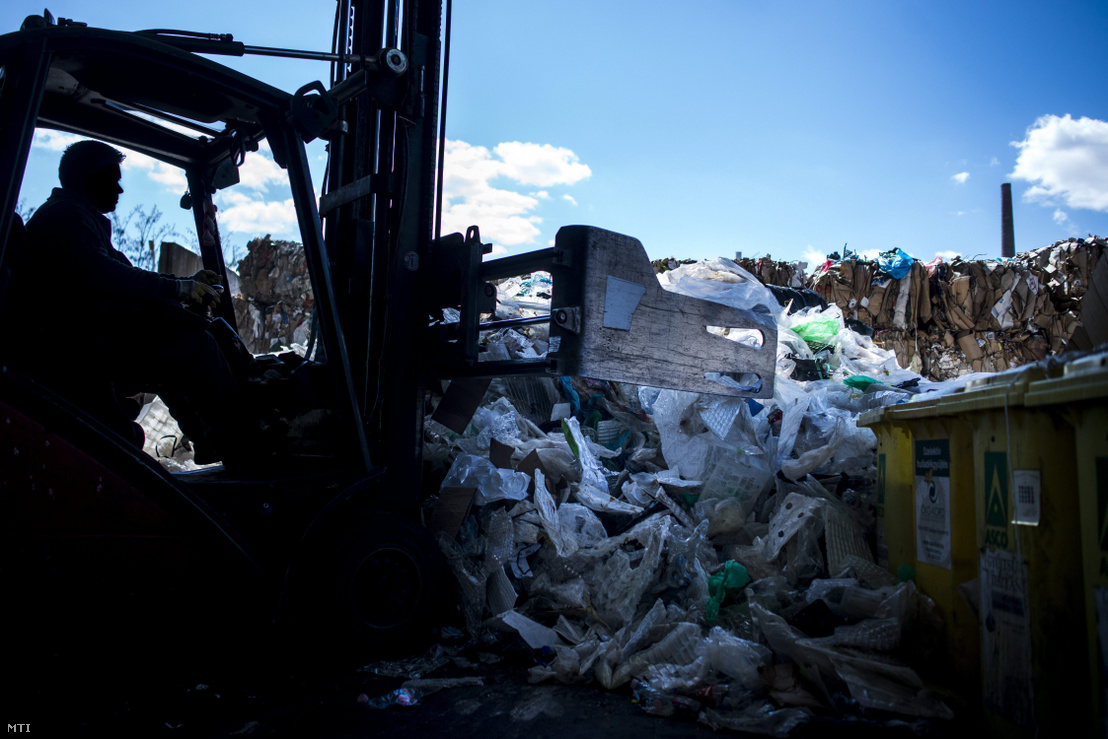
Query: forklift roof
142	91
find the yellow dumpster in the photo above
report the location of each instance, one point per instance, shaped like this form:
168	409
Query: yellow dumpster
1033	638
1081	396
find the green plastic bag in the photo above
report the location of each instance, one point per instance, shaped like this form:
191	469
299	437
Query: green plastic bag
860	382
728	581
819	332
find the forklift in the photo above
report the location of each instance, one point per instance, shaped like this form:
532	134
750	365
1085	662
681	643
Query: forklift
96	532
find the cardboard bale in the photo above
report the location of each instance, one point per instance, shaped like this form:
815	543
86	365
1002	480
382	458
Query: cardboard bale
275	306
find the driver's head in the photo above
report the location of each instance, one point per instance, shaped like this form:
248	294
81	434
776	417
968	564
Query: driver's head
92	168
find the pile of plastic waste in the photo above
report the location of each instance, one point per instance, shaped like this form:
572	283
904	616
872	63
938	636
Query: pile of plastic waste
716	556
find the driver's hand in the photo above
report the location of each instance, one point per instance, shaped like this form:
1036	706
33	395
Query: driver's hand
208	277
200	294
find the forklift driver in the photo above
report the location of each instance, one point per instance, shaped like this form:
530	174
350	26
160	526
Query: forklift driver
134	329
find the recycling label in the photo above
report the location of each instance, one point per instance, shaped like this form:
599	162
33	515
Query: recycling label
1006	659
933	502
997	500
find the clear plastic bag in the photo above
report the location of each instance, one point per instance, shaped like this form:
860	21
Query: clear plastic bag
592	490
735	657
684	436
722	281
579	524
499	538
617	587
491	482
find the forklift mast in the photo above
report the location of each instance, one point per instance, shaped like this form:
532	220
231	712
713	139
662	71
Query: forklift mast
377	209
394	274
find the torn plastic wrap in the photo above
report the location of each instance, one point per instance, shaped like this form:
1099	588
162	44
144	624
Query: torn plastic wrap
492	483
722	281
592	490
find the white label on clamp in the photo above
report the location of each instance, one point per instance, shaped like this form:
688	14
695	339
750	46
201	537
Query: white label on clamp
620	301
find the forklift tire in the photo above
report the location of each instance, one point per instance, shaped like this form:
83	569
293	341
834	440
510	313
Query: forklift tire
379	587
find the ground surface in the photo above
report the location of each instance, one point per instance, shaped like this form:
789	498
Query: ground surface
158	693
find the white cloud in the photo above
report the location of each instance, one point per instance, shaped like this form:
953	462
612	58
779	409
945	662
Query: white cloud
1067	162
870	254
569	199
239	212
814	257
960	178
506	217
540	164
948	255
54	140
1061	218
171	178
258	170
994	162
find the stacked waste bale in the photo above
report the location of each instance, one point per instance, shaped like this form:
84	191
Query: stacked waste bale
1063	271
893	305
275	305
948	319
771	272
1007	313
866	293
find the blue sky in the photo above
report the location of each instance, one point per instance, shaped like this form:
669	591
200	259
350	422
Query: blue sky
714	127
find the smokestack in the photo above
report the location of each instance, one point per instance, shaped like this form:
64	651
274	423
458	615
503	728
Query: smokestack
1007	237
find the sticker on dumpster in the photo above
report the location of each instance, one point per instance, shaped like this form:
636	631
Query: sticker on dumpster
1028	497
620	301
996	499
1006	636
933	502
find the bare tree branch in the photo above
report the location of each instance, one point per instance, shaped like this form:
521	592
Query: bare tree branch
139	235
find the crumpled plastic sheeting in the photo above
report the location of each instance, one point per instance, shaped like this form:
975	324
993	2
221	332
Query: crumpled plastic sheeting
611	545
491	482
722	281
592	490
